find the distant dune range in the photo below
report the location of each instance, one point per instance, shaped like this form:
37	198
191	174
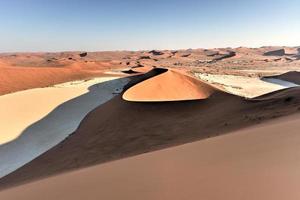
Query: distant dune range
17	69
22	75
119	129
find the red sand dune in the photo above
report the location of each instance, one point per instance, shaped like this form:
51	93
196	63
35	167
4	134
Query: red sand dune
137	70
143	69
16	78
169	86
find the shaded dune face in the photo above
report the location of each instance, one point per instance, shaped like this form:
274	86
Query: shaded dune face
293	77
283	52
169	86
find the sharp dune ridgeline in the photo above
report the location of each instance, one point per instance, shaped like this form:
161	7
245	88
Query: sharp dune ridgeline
169	86
220	105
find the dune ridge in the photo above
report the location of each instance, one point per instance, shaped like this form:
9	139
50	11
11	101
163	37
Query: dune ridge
169	86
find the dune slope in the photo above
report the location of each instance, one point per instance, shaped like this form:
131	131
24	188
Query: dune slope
256	163
21	73
44	117
169	86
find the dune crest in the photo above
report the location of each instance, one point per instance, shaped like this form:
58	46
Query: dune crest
169	86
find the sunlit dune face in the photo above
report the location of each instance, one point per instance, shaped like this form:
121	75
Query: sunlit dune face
168	86
143	69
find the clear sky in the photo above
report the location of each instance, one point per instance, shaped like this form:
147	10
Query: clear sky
91	25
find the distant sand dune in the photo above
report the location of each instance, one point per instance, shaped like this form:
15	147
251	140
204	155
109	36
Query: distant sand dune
34	72
142	69
293	77
284	51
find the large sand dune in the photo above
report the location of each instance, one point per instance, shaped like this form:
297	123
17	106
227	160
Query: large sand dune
169	86
256	163
33	121
119	128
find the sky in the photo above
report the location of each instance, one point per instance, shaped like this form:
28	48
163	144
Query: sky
98	25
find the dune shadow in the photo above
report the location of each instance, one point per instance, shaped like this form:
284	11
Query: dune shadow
55	126
276	81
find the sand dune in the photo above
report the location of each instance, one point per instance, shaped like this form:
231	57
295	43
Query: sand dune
289	51
136	70
119	128
25	71
257	163
44	117
279	52
293	77
142	69
284	84
169	86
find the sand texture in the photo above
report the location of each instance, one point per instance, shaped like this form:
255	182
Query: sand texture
256	163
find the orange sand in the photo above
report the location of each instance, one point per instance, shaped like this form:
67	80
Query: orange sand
169	86
258	163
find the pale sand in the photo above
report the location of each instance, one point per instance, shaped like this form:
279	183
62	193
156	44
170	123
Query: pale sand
249	87
259	163
33	121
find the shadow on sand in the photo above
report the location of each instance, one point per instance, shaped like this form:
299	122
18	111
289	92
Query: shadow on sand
56	126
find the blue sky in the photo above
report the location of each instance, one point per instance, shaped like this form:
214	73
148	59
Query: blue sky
62	25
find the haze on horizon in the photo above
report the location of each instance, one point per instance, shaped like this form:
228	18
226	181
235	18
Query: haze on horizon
37	25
